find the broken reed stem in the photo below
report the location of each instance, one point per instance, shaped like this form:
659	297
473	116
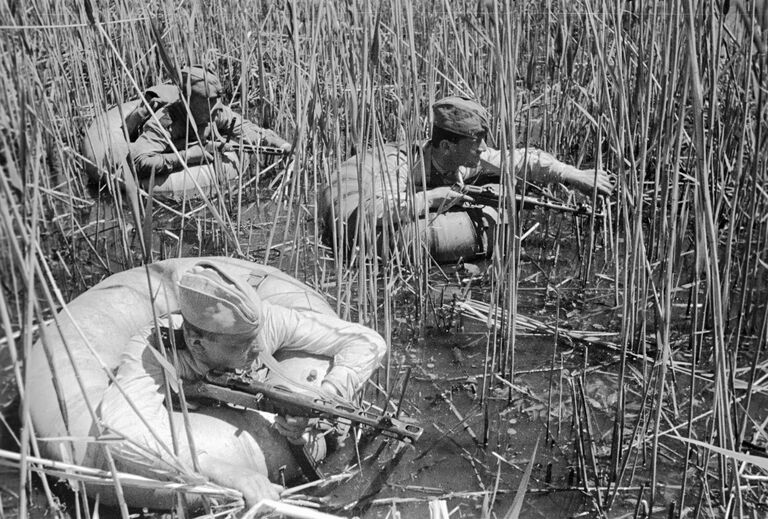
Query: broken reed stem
578	439
590	443
106	477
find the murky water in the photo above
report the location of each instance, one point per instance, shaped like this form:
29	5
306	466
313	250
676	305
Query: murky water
473	454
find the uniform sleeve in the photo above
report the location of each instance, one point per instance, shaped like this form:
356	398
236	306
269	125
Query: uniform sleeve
230	123
356	350
151	152
404	183
136	410
542	167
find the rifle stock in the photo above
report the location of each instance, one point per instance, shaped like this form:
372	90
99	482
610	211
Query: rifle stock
242	390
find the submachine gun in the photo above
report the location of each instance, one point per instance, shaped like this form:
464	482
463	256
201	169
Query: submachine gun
242	390
239	388
269	151
261	150
489	195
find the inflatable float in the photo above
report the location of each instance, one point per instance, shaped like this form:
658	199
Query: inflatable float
370	182
103	319
105	148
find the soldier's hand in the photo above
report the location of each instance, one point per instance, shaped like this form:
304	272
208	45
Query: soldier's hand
197	155
295	429
336	438
445	197
254	485
218	146
586	180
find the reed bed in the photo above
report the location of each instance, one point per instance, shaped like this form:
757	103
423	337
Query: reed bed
669	96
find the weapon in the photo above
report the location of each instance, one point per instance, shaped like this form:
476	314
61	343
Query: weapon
242	390
261	150
488	194
250	148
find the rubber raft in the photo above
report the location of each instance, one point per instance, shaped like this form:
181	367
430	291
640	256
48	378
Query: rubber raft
87	339
107	140
368	192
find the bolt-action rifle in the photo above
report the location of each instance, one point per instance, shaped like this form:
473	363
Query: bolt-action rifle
489	195
240	389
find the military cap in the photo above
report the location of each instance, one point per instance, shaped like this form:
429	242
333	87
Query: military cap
218	303
460	115
198	81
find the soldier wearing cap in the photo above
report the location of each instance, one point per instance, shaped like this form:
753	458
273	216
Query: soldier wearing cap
191	123
223	324
408	182
458	152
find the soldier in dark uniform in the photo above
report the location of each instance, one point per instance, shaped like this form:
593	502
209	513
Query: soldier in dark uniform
194	132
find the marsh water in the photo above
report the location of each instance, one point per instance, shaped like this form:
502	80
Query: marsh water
482	421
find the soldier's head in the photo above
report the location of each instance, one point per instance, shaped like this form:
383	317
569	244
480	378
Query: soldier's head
460	128
222	316
202	89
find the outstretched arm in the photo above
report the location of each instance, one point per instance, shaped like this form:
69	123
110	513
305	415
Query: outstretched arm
231	123
586	180
544	168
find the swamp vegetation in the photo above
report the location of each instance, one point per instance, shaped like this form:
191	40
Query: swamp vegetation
631	381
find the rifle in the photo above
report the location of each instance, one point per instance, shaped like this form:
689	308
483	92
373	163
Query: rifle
242	390
488	194
261	150
221	142
252	148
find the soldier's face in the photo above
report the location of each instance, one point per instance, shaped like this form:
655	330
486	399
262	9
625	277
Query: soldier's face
467	151
221	351
202	108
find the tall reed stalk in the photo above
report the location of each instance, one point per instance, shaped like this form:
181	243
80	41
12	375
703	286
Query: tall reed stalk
667	96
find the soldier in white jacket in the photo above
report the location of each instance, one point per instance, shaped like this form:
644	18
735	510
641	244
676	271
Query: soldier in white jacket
223	324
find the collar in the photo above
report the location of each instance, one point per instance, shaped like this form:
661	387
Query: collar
439	175
434	175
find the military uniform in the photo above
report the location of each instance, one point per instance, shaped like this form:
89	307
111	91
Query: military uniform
377	186
152	151
136	408
390	178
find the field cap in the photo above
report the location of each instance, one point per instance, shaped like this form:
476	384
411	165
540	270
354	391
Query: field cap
460	115
218	303
198	81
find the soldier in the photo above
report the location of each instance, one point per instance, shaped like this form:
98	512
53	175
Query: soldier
225	325
194	132
396	190
457	153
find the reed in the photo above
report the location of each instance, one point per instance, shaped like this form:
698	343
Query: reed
668	96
